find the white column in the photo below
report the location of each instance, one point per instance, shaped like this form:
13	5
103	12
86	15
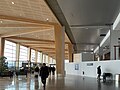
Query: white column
115	34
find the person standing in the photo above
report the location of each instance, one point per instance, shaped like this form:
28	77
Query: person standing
44	72
99	72
53	70
50	70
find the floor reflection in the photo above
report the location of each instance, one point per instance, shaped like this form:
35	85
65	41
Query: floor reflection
99	84
69	82
36	84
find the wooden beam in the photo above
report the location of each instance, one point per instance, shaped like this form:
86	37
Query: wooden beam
48	51
21	32
23	25
37	43
52	53
22	19
29	39
47	48
32	40
40	46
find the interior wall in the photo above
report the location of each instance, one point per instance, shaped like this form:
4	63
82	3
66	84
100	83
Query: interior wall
87	57
90	68
76	57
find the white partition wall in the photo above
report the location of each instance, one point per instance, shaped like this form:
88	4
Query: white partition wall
90	68
70	68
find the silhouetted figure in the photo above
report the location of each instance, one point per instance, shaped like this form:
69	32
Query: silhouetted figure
53	70
44	72
26	71
50	70
11	74
99	72
36	71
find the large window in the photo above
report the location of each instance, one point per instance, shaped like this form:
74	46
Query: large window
39	59
32	55
23	58
23	54
10	53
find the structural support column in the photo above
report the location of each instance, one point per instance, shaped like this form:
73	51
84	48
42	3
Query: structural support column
29	58
48	59
17	55
41	57
2	43
70	50
60	49
44	58
36	57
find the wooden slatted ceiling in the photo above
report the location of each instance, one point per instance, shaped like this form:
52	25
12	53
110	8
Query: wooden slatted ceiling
33	9
25	22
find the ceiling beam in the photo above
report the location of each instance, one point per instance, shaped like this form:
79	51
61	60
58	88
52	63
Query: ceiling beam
90	26
5	17
21	32
29	39
32	39
86	43
53	53
54	6
23	25
47	48
37	43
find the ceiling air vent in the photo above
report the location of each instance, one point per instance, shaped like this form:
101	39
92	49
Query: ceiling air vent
102	35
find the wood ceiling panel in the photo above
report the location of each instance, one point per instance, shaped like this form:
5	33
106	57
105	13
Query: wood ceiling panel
45	35
27	21
33	9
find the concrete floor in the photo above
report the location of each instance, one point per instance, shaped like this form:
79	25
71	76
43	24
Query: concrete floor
69	82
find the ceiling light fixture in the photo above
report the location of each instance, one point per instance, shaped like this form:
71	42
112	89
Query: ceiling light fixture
86	28
92	49
47	19
13	3
1	21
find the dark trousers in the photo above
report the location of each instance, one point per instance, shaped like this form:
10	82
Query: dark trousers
98	76
43	79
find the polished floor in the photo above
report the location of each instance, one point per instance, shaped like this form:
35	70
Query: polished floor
69	82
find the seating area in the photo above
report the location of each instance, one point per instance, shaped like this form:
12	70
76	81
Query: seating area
6	74
108	76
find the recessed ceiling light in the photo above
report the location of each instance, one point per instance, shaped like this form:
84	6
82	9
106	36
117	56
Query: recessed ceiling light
86	28
92	49
13	3
47	19
1	21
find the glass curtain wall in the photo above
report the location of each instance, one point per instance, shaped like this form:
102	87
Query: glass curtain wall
10	53
39	57
23	58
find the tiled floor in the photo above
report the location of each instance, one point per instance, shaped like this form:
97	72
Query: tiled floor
69	82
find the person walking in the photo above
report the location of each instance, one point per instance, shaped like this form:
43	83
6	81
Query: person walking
44	72
98	72
36	72
53	70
